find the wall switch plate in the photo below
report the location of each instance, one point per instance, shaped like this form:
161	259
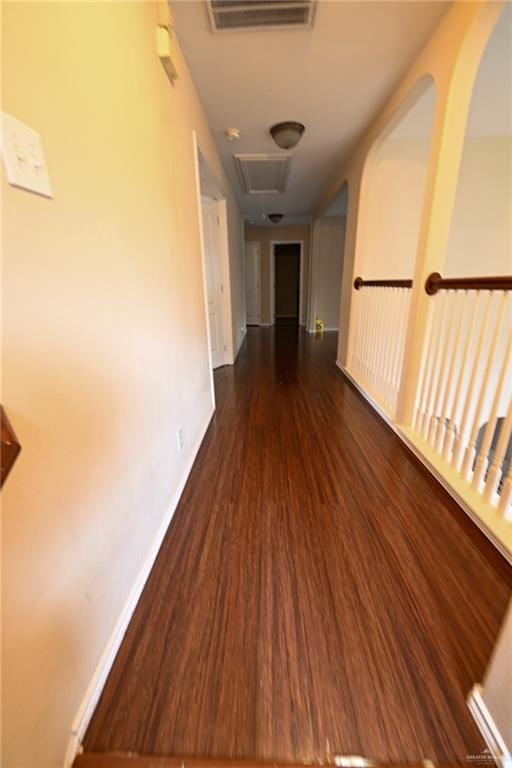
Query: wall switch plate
23	155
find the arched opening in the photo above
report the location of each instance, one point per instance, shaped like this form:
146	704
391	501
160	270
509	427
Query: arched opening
395	193
480	239
464	404
390	213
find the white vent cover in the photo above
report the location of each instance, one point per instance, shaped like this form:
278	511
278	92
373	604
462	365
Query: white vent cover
243	14
260	174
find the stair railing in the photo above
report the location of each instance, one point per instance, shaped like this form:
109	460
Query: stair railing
463	407
380	323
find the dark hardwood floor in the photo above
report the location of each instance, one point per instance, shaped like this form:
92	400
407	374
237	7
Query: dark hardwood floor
317	592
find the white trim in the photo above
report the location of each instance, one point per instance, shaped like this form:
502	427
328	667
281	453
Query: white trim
203	260
488	727
273	277
493	525
99	678
242	339
215	196
258	243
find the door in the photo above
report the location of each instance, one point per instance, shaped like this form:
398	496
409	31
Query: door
252	283
214	287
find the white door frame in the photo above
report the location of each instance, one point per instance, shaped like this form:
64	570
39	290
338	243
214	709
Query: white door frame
273	276
204	177
258	299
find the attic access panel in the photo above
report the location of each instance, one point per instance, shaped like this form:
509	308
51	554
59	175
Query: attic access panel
262	174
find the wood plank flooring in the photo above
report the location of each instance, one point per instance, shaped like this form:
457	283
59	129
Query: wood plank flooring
317	591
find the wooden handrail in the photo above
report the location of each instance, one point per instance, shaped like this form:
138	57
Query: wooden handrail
9	445
435	283
360	283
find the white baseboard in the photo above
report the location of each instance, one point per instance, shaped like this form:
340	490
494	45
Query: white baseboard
99	678
493	525
375	405
488	728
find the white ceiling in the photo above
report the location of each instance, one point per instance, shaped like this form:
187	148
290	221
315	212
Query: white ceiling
333	78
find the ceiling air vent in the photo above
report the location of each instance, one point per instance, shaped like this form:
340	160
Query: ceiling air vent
251	14
260	174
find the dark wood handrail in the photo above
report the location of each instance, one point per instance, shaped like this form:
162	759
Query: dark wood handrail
9	445
360	283
435	283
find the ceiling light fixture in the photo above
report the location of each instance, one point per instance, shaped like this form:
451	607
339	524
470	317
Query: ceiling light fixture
288	134
275	218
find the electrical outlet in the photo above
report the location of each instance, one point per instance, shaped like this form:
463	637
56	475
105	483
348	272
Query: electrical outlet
179	439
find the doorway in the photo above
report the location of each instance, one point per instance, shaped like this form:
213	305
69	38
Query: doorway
286	286
215	265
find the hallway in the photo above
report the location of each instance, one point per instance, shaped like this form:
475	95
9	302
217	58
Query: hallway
317	592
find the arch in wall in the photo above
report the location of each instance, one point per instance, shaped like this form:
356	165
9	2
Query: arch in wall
480	236
393	188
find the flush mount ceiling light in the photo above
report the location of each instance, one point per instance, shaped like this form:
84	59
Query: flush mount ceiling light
288	134
275	218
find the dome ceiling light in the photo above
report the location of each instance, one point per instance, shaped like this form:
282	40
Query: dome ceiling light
288	134
275	218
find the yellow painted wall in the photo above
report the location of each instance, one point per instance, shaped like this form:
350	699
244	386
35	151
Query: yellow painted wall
104	343
264	236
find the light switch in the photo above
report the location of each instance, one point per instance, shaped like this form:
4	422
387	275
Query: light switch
23	155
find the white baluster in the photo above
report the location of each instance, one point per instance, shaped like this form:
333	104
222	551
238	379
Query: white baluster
446	419
505	502
356	355
444	344
434	321
435	371
495	467
405	302
458	447
483	453
457	399
469	453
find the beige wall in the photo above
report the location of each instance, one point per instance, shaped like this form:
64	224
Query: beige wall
104	343
264	236
481	232
327	271
395	204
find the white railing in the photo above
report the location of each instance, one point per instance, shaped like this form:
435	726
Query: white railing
380	324
464	401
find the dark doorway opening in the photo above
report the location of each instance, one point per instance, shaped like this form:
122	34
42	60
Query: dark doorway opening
287	283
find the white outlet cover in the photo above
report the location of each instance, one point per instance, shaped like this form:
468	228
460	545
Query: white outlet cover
22	151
